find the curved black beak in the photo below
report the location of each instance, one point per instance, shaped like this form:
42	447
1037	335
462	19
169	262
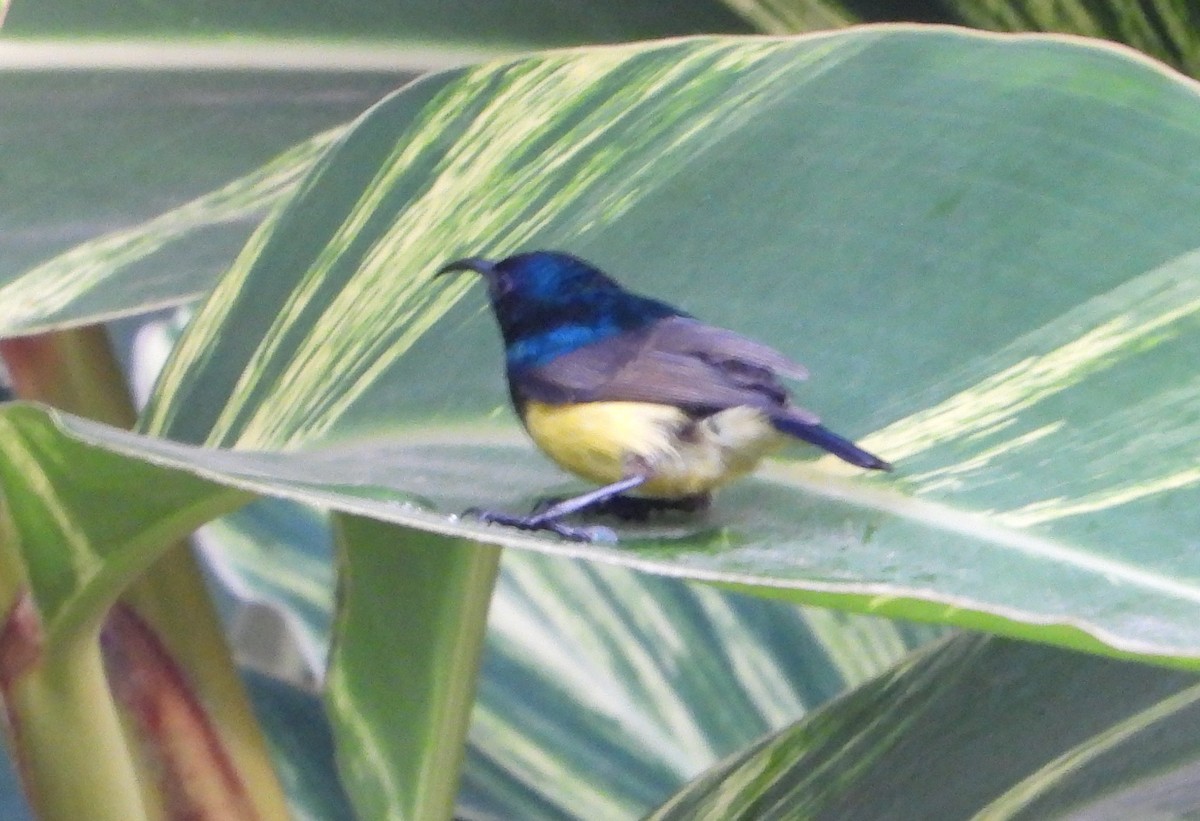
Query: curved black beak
477	264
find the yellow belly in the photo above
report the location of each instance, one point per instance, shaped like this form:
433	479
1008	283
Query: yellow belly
602	441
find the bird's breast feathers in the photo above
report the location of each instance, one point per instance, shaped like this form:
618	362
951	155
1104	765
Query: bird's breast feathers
600	440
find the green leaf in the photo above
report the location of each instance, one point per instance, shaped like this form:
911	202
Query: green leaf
794	16
303	748
103	151
539	23
1167	30
65	543
1004	729
1164	29
100	280
603	690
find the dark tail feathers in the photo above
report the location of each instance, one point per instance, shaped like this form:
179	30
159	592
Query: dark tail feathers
823	437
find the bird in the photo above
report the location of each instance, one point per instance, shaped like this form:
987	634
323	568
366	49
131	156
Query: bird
656	407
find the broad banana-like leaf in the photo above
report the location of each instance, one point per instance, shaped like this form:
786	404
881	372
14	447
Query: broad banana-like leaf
1168	30
82	165
796	16
1036	732
424	25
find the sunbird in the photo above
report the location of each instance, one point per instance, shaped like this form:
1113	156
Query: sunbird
633	394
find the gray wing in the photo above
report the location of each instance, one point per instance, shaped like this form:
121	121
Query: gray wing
676	361
720	346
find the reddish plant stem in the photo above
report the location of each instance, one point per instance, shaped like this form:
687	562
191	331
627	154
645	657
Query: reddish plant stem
73	370
197	778
21	643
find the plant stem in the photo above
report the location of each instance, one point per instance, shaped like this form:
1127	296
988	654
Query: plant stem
72	753
402	715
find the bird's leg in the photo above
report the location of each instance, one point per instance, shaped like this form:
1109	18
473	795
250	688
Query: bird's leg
548	519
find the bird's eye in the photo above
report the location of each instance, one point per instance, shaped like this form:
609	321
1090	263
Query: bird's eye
500	284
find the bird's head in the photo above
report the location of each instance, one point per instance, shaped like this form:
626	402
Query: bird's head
548	303
536	277
534	292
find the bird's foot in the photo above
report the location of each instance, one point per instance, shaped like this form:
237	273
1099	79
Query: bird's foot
534	521
635	508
